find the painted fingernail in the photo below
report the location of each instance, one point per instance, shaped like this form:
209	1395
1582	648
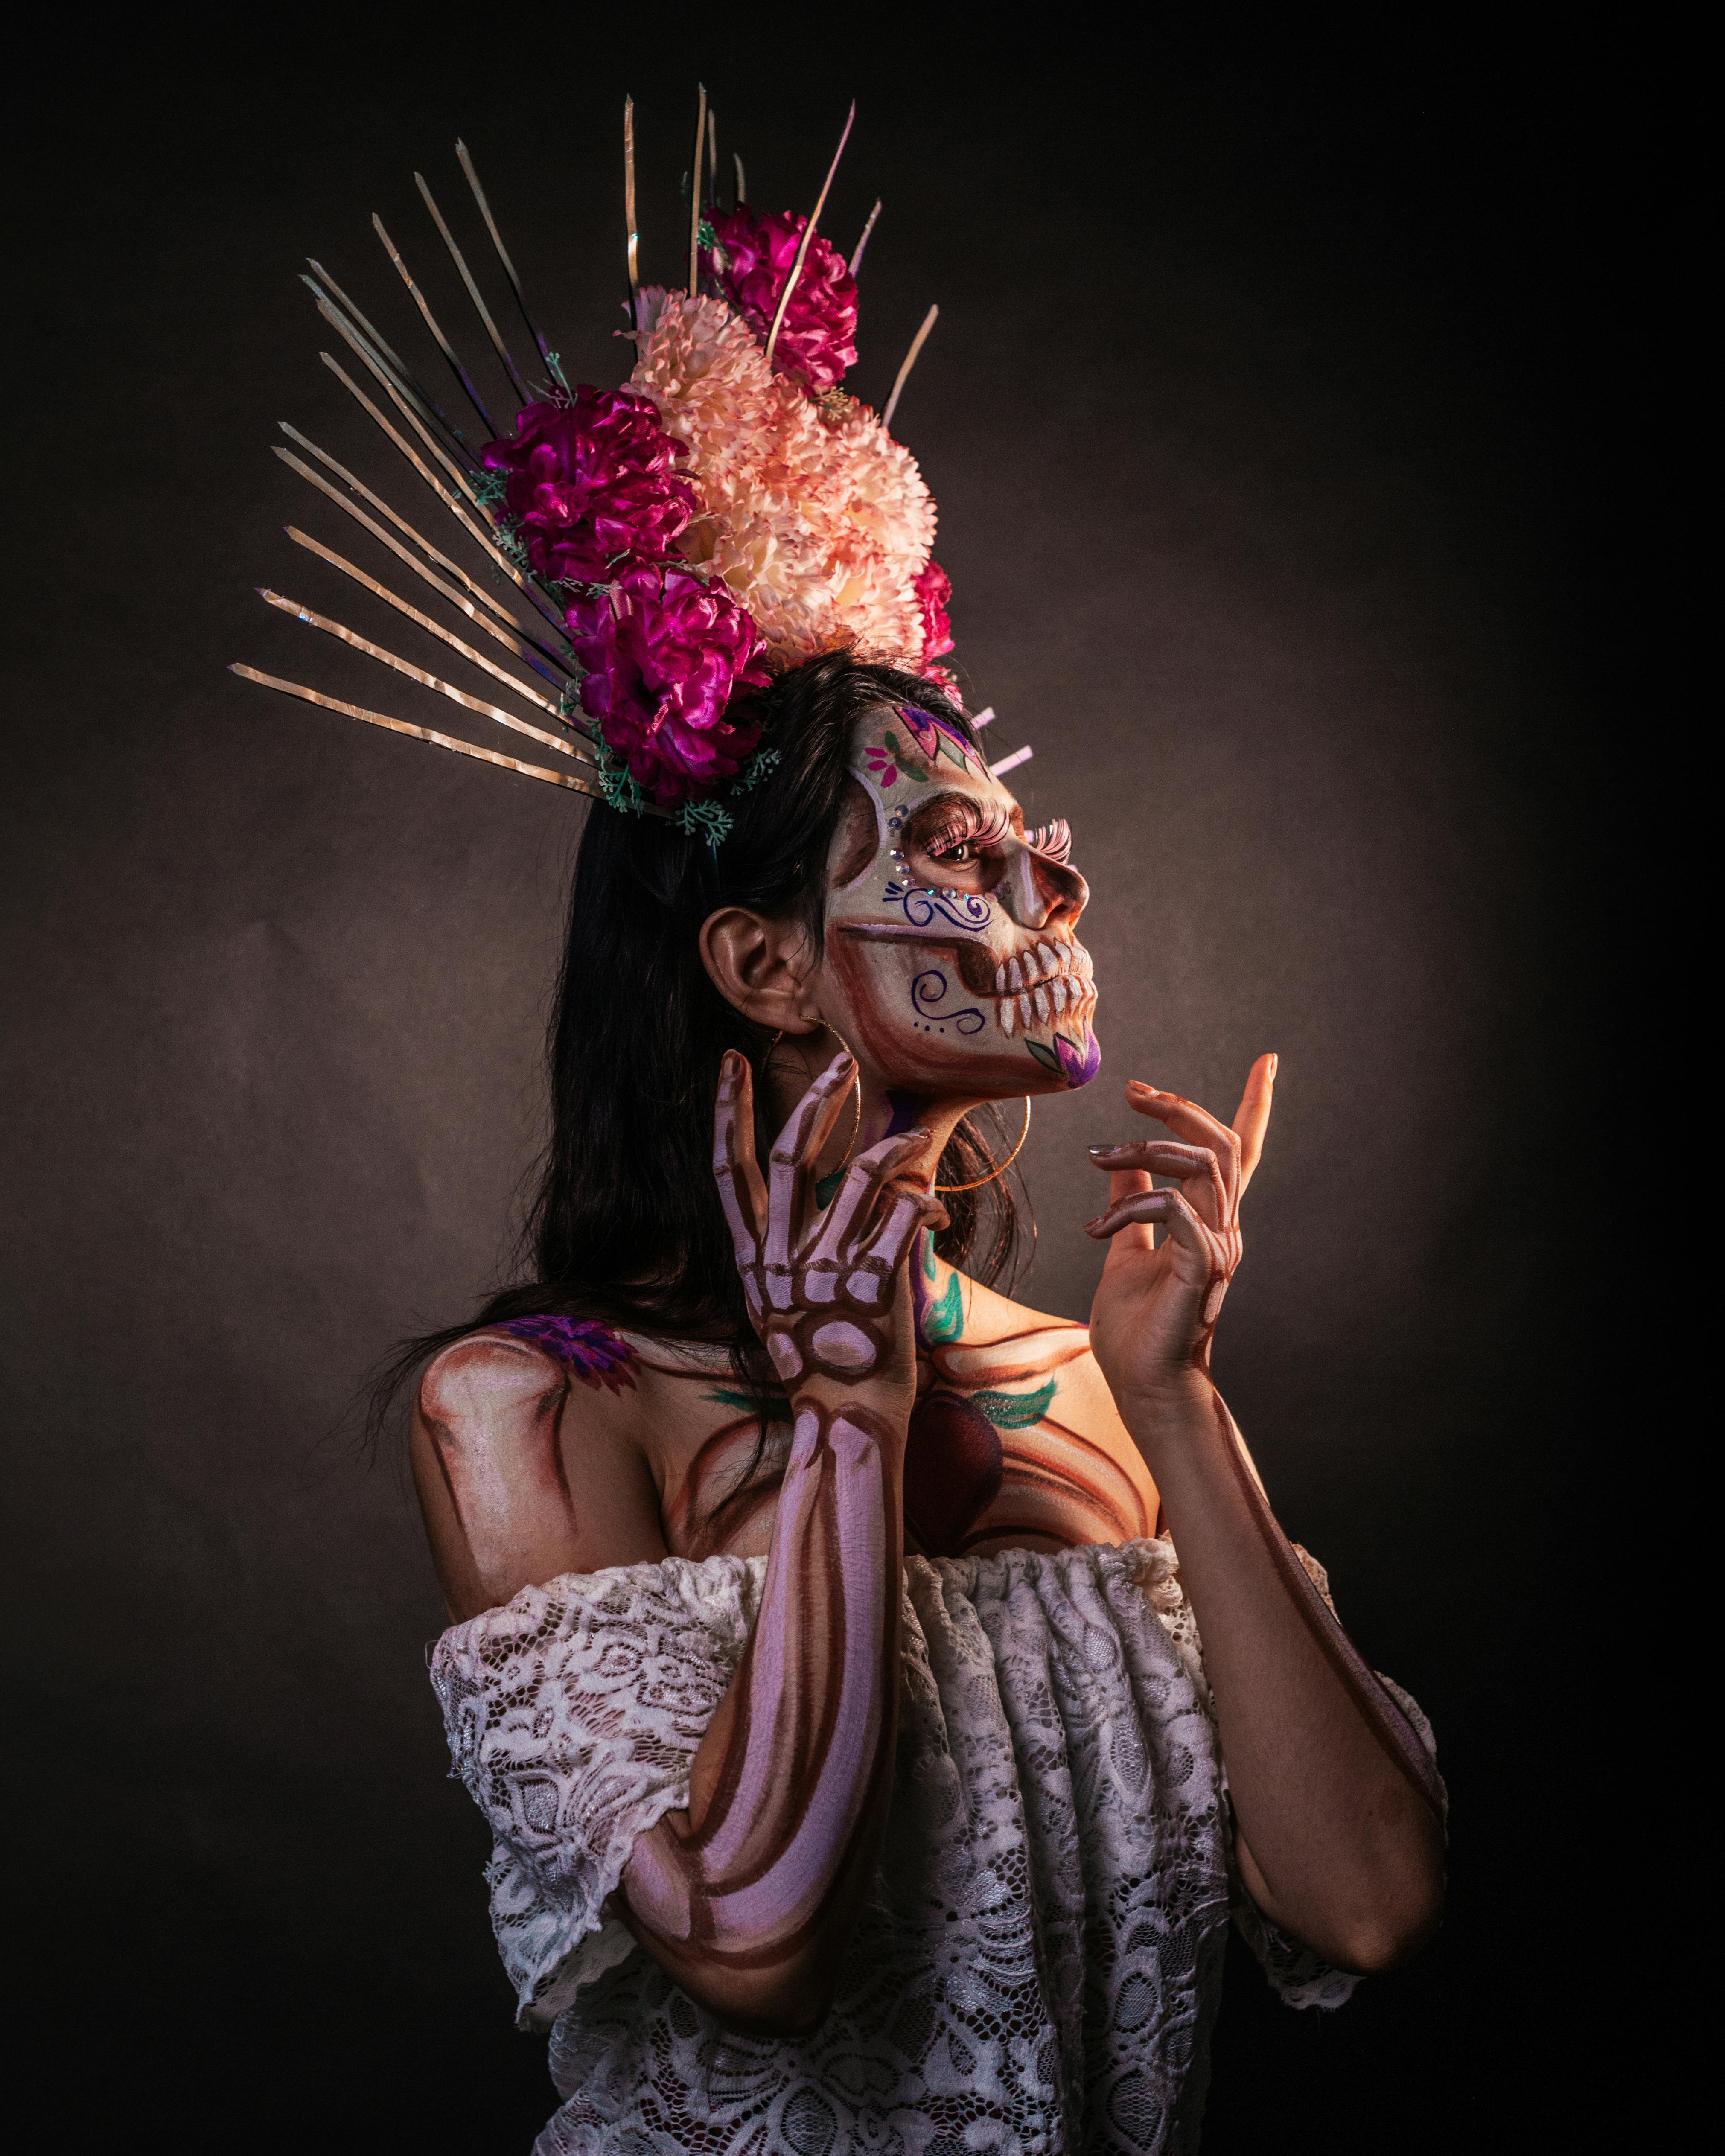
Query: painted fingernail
1274	1065
1105	1152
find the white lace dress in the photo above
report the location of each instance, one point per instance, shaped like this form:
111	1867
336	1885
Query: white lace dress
1037	1966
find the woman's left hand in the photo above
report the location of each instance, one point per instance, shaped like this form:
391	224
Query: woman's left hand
1156	1308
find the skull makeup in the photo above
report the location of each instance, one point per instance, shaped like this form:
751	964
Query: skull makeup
951	935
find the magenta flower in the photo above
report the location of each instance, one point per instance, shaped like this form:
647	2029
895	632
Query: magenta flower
593	1351
933	587
665	652
591	480
817	339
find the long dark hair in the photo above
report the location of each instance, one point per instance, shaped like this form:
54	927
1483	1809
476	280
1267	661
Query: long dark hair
626	1226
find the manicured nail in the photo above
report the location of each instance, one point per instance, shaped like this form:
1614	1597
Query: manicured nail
1105	1152
1274	1065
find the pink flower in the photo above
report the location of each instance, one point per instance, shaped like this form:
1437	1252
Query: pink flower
817	338
933	587
591	480
666	650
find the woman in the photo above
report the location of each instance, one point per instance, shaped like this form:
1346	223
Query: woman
682	1669
825	1649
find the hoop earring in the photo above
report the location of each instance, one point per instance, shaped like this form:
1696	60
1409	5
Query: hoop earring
856	1076
947	1188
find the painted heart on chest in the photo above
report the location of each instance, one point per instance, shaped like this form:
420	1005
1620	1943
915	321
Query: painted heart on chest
952	1470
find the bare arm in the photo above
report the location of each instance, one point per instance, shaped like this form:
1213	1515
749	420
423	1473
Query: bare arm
749	1897
1340	1837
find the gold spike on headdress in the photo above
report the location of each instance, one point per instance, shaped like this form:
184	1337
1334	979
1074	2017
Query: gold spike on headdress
525	622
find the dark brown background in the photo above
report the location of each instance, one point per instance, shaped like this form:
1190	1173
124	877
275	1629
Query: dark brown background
1252	415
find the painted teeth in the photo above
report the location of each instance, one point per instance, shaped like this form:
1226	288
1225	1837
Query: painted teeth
1014	976
999	979
1008	1015
1024	1010
1057	989
1042	1006
1046	959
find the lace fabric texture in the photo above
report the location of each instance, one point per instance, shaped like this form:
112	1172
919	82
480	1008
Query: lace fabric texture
1039	1960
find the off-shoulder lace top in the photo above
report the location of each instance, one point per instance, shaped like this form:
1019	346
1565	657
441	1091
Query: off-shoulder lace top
1039	1960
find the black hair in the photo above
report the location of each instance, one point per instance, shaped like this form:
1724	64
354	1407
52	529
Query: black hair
626	1226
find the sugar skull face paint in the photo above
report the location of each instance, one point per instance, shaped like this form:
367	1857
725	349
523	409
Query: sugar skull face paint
953	936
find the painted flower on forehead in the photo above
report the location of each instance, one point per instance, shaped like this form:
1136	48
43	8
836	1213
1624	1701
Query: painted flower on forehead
754	256
666	650
592	481
596	1354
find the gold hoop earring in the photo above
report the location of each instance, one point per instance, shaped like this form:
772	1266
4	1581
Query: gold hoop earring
856	1076
946	1188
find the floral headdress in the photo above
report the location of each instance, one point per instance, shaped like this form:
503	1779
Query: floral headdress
652	554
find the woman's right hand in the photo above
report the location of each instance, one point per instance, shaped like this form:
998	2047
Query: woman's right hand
828	1292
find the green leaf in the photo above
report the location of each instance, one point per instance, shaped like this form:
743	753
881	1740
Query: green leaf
946	1318
1014	1410
826	1190
1045	1056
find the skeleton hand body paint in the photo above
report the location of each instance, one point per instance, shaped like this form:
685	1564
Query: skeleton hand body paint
788	1790
955	947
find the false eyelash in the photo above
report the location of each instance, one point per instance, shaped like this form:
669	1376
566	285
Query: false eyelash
967	828
1054	840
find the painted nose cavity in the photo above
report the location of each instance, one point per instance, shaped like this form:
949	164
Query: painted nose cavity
1036	891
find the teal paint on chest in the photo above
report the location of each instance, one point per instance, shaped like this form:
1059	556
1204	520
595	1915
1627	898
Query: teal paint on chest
944	1319
1015	1410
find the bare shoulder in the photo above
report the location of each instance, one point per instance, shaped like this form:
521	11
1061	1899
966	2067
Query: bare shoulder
527	1460
991	1319
487	1380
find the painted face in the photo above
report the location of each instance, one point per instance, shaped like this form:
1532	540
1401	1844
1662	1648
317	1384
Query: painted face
952	934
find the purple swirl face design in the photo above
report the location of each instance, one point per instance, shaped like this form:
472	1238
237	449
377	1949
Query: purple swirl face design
954	934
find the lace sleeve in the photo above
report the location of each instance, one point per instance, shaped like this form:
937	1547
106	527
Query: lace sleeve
572	1714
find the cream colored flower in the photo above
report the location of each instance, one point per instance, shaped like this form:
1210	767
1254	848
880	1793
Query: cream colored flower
815	518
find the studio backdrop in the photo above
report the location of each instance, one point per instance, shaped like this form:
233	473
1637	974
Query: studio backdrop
1255	510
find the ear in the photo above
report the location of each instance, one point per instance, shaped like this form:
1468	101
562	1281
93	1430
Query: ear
759	966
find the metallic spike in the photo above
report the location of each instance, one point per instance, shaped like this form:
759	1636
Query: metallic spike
447	349
742	191
427	405
694	197
1010	762
904	372
418	674
790	282
528	696
985	717
523	394
432	553
429	422
577	783
712	156
476	531
857	256
546	355
628	212
517	644
342	298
